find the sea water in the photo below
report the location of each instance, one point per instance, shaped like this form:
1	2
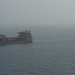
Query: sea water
42	57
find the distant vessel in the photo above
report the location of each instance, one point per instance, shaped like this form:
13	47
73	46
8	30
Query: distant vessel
22	37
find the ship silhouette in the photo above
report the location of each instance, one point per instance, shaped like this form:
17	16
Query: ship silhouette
22	37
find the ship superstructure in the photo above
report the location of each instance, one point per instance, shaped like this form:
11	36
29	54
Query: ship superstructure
22	37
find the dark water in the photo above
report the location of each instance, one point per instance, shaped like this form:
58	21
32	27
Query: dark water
42	57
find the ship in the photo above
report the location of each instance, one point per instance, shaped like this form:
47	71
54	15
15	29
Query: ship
22	37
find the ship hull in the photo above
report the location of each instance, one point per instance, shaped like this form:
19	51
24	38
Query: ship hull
18	42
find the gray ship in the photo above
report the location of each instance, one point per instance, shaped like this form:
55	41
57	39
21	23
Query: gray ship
22	37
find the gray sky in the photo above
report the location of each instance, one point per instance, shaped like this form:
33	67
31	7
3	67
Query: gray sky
44	18
37	12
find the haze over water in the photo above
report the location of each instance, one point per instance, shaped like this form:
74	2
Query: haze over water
52	24
44	18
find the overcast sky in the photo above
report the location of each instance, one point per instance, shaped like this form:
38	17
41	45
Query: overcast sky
54	18
37	12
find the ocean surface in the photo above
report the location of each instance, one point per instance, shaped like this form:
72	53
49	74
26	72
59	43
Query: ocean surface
42	57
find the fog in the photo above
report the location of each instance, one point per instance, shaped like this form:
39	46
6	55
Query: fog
44	18
51	32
